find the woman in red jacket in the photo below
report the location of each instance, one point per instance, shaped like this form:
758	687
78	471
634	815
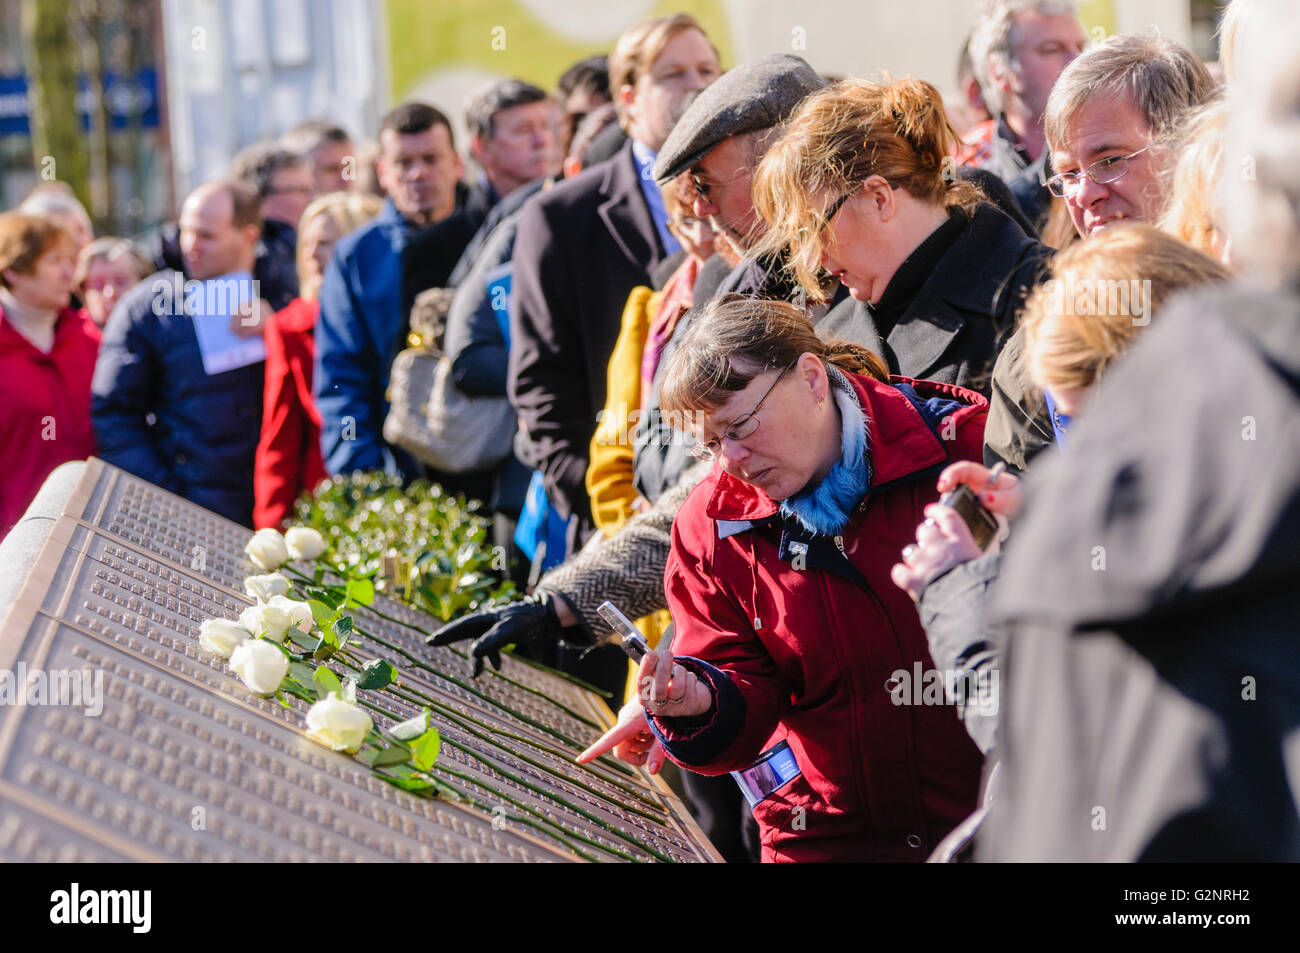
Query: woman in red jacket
793	645
288	454
47	359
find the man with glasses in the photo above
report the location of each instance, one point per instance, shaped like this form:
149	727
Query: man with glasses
719	141
1105	119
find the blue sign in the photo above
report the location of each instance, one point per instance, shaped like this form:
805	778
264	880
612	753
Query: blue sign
122	95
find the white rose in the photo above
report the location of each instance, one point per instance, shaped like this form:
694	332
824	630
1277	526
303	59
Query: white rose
267	619
299	613
262	588
260	665
304	543
338	725
221	636
267	550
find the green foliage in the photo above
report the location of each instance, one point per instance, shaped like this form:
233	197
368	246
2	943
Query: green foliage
326	683
377	673
434	546
424	749
360	592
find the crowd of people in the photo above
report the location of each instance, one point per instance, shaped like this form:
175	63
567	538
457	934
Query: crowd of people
834	395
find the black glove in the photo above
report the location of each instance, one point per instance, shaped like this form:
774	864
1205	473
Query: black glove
523	623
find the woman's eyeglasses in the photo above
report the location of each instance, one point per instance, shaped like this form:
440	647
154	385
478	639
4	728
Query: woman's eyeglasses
1103	172
740	429
834	210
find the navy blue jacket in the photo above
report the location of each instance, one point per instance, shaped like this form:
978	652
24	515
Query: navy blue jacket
159	415
356	340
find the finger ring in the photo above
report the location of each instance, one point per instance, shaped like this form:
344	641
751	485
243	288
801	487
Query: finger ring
677	701
909	551
661	703
929	521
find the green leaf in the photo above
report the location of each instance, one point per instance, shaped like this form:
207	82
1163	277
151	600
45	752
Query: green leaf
360	592
326	682
395	755
424	749
322	613
339	631
377	673
291	686
331	596
302	671
327	646
304	640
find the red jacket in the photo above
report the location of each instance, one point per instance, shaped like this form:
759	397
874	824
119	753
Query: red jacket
288	453
45	420
800	643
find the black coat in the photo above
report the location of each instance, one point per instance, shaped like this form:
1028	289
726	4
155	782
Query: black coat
431	254
1151	674
580	249
952	330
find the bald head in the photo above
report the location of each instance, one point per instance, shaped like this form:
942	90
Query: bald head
219	228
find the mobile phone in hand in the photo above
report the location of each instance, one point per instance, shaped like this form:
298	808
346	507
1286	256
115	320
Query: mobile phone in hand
983	525
630	639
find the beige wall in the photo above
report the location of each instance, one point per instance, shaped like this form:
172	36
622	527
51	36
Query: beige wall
907	37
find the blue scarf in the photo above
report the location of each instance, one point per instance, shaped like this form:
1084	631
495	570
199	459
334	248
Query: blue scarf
826	508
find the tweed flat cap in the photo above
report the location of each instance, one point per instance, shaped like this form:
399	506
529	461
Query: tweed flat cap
755	95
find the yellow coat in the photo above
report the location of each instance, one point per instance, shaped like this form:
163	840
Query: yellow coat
609	475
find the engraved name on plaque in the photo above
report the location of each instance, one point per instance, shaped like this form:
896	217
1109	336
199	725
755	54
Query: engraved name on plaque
182	762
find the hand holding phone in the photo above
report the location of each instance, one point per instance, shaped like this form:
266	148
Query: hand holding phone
630	638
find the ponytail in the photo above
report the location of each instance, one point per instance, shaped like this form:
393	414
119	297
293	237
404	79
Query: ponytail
856	359
838	138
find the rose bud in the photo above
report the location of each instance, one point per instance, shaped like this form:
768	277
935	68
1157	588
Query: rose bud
260	665
267	620
267	550
262	588
338	725
304	543
299	613
221	636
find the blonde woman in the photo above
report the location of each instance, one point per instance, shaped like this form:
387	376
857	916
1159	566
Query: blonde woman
862	186
288	453
1195	183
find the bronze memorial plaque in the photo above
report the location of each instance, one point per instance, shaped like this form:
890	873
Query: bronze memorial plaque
122	740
